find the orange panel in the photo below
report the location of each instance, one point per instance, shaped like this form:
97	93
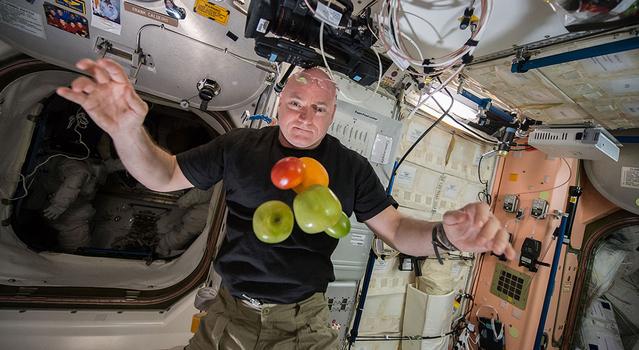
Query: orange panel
532	175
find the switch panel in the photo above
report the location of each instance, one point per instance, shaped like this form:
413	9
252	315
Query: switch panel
340	296
539	208
511	203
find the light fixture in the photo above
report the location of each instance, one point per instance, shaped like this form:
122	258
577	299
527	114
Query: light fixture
458	109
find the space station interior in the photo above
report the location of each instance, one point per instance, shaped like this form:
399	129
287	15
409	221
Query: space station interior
529	106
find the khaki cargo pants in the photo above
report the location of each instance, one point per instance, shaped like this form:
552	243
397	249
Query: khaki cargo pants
232	324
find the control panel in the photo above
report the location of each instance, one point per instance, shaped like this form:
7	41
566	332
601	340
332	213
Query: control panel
539	208
340	296
511	203
511	285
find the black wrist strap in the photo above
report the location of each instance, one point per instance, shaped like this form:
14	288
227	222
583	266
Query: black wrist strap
437	244
440	241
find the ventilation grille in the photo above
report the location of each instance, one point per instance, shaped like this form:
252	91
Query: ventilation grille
550	136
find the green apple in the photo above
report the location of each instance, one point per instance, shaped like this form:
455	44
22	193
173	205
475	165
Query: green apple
316	209
341	228
273	222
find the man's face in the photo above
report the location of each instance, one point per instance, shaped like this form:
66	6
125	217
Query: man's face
306	108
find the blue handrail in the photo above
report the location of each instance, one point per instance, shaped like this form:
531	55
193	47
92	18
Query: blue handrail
551	282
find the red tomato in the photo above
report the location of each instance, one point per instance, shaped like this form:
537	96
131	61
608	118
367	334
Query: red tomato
287	173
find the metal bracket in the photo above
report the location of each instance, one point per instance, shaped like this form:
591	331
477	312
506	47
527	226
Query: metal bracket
136	58
558	214
521	55
238	5
520	66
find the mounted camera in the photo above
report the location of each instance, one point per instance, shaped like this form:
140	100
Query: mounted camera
347	40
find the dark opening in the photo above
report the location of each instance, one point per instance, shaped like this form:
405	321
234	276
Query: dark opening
81	200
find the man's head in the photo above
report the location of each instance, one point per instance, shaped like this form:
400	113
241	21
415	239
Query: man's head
306	108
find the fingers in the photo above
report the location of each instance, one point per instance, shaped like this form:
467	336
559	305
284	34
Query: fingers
83	84
78	91
500	242
455	217
510	252
501	245
482	213
100	74
135	102
488	232
85	63
115	70
76	97
103	70
478	215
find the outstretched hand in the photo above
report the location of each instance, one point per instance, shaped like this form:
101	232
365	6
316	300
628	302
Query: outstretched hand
474	228
109	98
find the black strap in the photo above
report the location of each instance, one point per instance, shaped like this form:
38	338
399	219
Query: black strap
437	244
441	241
471	42
467	58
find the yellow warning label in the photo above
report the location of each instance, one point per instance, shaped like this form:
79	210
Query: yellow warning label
211	11
573	199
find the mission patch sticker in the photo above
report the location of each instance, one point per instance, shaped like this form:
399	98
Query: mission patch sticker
77	5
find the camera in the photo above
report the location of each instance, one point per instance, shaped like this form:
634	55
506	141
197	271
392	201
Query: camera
295	40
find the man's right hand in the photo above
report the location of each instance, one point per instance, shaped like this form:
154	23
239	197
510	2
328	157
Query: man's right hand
109	98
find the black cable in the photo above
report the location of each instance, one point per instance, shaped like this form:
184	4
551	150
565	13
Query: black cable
408	337
410	149
484	195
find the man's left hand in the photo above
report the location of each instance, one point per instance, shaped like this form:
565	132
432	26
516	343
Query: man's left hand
474	228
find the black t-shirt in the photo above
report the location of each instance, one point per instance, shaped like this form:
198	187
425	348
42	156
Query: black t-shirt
299	266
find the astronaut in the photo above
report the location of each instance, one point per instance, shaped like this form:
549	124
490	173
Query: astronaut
71	185
174	238
108	10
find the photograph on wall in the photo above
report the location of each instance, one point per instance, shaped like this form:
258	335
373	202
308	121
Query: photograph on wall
66	20
107	15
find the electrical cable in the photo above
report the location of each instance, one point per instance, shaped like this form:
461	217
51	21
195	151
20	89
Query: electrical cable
552	188
484	195
387	20
410	149
422	100
330	72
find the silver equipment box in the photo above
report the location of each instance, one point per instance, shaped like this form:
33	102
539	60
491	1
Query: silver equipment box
575	142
